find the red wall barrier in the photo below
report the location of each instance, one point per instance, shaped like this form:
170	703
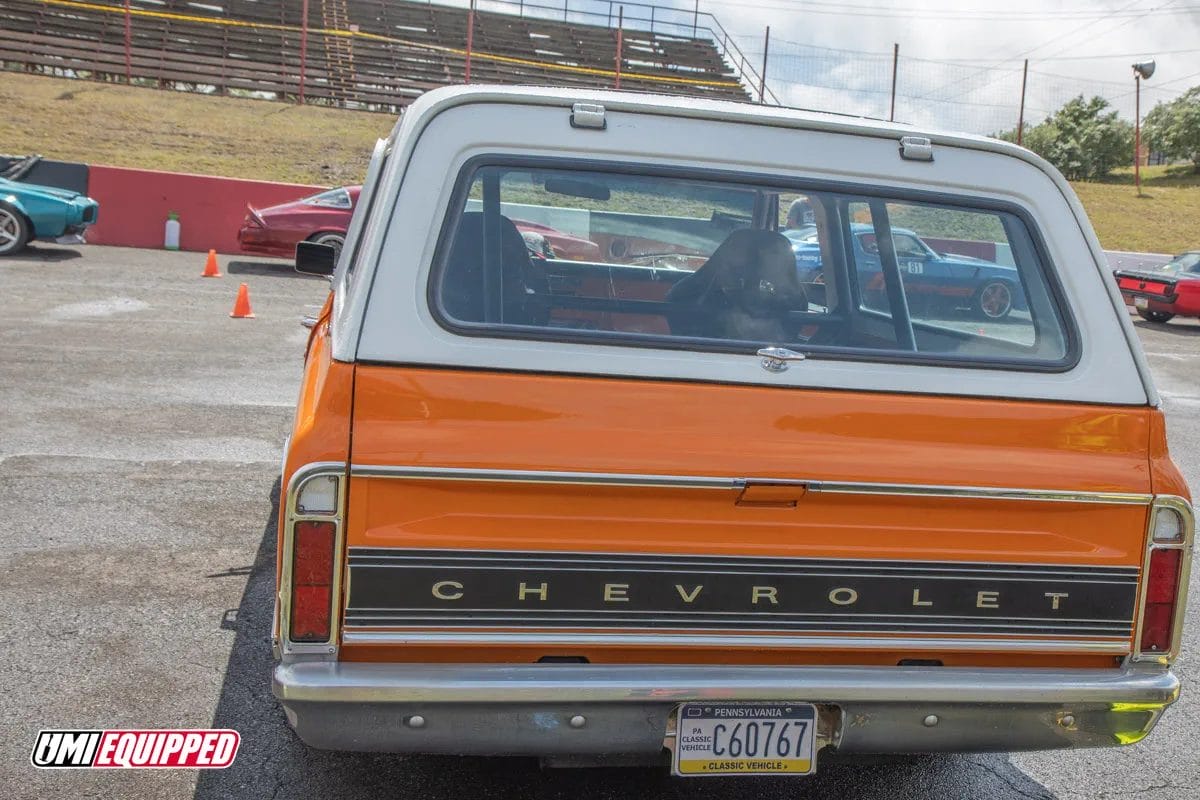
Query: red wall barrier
963	247
134	205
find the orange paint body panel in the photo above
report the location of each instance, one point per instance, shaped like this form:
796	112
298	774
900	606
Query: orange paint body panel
460	419
538	422
1164	474
321	428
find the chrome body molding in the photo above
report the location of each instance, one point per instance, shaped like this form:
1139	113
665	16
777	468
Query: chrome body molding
739	483
629	709
1116	646
622	683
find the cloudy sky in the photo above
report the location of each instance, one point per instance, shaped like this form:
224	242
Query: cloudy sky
1074	47
960	62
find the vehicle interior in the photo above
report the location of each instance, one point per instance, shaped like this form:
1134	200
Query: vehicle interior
689	263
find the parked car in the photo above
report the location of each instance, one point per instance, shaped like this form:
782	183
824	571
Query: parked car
321	218
29	211
1160	294
932	280
546	242
325	217
600	509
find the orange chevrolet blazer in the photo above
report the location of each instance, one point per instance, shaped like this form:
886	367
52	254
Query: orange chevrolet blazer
759	472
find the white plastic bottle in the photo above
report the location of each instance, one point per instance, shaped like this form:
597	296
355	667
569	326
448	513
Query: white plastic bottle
171	233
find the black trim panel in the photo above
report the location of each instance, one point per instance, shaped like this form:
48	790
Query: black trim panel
393	587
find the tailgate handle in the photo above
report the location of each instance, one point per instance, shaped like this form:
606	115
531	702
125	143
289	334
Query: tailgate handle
772	495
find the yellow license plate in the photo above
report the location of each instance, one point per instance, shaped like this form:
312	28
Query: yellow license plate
745	739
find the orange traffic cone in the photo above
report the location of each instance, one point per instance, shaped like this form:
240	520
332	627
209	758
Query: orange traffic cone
241	306
210	267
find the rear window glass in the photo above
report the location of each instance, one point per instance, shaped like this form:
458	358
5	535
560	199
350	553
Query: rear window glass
690	263
1187	263
334	198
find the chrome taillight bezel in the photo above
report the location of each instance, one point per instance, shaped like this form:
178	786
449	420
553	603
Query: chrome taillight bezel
293	515
1184	544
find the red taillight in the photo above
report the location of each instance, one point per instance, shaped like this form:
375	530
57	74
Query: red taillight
312	581
1162	590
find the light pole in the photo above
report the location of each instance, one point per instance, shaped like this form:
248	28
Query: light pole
1143	70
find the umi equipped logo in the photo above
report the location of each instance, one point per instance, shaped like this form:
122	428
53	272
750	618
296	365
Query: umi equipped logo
194	749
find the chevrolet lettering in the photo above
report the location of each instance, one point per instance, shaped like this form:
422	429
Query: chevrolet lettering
686	478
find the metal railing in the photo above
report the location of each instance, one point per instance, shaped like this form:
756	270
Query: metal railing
656	19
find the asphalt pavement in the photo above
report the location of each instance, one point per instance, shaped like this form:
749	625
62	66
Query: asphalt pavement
140	440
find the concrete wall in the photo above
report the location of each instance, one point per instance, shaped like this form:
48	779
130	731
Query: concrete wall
48	172
134	205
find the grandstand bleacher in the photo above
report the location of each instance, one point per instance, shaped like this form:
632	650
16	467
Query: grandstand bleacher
368	54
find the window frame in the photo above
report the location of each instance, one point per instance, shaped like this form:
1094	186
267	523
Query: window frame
847	191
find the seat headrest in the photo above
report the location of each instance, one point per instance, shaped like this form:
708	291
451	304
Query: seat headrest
462	282
468	240
756	265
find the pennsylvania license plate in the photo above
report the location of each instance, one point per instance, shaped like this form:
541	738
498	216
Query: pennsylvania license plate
1141	302
745	739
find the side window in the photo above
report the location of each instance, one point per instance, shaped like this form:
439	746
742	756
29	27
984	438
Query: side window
910	247
958	270
334	198
1186	263
798	222
612	253
617	257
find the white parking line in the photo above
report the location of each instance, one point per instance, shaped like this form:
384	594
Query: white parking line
1177	399
1174	356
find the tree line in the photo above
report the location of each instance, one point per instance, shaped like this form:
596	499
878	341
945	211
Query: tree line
1086	140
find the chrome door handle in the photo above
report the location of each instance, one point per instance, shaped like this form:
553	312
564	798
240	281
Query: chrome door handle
775	359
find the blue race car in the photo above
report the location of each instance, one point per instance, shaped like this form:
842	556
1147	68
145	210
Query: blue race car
28	211
931	279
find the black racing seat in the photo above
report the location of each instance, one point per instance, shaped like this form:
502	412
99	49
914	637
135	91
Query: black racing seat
746	290
524	290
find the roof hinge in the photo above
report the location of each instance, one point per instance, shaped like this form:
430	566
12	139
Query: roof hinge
916	148
588	115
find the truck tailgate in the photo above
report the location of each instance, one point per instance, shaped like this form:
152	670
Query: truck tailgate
571	514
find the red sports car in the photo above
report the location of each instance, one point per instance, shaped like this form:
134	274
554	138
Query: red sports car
547	242
1164	292
322	218
325	217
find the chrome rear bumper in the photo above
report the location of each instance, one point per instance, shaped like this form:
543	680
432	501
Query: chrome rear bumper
534	709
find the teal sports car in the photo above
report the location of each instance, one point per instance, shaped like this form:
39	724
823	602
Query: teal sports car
28	212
